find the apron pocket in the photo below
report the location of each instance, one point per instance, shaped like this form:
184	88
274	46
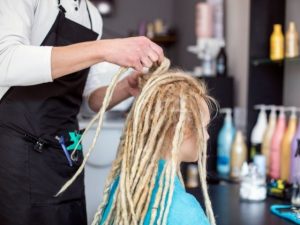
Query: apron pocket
58	214
49	171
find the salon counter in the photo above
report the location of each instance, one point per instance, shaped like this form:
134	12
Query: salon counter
230	210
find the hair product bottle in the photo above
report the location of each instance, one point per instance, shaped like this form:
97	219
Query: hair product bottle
292	41
266	145
204	20
258	131
218	18
221	62
276	145
277	43
287	144
295	157
225	140
238	155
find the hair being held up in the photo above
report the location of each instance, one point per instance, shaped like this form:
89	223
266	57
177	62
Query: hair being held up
169	107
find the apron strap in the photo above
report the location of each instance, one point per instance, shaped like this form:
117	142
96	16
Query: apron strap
63	10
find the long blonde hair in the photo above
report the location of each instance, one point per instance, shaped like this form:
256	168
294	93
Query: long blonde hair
170	102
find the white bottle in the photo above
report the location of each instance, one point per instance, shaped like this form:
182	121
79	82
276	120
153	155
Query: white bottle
258	131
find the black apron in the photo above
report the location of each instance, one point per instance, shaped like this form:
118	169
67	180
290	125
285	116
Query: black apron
33	166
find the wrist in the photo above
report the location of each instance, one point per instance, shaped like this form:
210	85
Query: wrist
125	88
101	50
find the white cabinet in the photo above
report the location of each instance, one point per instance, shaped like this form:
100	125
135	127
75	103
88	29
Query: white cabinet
99	164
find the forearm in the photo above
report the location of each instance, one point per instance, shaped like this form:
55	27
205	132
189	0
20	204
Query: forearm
76	57
120	94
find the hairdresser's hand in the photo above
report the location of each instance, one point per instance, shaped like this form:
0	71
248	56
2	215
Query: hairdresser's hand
133	84
135	52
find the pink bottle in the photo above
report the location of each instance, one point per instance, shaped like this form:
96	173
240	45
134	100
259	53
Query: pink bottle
204	20
276	145
295	158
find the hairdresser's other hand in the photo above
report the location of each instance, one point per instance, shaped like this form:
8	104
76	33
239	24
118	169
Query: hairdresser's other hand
133	84
134	52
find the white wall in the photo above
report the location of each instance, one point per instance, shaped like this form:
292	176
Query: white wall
292	69
237	37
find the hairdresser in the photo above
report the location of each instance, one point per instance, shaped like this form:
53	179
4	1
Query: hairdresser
47	52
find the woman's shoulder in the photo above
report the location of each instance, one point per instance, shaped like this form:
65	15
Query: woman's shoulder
185	208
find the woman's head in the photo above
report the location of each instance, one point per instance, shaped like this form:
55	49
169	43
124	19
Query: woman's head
168	120
167	97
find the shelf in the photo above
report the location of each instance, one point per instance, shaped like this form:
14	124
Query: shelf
267	61
164	40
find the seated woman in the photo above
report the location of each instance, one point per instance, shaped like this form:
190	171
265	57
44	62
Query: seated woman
167	125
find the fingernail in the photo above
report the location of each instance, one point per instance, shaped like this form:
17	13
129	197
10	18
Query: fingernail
145	70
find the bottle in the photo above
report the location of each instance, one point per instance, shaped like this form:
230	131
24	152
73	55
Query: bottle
208	65
204	20
221	62
267	140
260	162
276	145
292	41
225	140
192	176
150	30
286	145
258	131
218	18
277	43
238	155
295	158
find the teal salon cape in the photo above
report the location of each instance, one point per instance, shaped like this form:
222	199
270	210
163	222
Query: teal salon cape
184	210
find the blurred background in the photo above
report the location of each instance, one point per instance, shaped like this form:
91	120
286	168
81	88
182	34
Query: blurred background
247	51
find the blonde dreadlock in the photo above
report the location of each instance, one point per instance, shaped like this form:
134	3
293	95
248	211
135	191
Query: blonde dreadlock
170	102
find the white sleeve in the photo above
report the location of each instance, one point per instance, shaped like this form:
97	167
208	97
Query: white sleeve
99	76
20	63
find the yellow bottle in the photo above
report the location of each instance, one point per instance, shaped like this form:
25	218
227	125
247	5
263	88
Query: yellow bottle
277	43
266	145
286	146
238	155
292	41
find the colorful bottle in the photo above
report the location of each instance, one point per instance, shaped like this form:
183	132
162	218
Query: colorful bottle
295	157
258	132
266	145
238	155
287	144
276	145
277	43
292	41
225	140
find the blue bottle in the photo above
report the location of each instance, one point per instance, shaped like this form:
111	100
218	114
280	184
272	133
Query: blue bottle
225	140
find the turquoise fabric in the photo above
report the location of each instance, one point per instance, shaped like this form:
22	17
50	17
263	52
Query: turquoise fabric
184	210
288	214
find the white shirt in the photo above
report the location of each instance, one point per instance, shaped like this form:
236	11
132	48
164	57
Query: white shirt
24	25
